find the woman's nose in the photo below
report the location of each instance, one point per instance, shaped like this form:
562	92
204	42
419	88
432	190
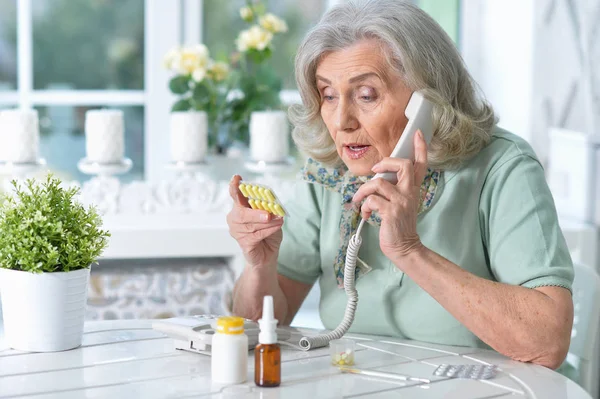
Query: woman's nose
345	119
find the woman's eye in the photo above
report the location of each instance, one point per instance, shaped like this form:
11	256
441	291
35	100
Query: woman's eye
328	96
367	96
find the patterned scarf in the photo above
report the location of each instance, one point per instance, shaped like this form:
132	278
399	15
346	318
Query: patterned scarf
342	181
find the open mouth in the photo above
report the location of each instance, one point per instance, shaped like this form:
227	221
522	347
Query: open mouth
356	151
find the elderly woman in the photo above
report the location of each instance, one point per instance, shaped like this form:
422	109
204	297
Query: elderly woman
464	250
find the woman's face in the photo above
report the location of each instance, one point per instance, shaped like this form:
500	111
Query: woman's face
362	103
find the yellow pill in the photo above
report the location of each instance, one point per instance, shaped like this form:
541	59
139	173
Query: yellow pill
279	210
263	197
270	196
243	190
265	206
259	205
272	208
255	192
252	203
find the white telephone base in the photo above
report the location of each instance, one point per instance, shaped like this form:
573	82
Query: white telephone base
194	333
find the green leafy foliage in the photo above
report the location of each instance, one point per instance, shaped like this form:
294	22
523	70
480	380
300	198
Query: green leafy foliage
180	84
202	96
43	228
182	105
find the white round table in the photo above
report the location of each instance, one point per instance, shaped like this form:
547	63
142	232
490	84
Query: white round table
127	359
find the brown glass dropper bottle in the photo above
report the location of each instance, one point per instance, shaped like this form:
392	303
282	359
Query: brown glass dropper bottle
267	354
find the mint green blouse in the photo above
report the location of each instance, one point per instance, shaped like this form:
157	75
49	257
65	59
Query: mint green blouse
494	217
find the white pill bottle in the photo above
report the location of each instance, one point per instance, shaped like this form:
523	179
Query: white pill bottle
229	353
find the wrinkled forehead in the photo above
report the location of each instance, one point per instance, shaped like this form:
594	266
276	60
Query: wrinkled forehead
363	57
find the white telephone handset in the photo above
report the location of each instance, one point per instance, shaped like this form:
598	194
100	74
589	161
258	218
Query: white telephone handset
418	111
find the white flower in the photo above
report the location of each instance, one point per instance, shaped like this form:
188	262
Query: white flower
246	14
273	24
199	74
170	57
176	65
219	70
186	60
254	38
201	52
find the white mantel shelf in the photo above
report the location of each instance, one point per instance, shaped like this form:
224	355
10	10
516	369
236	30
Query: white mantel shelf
176	236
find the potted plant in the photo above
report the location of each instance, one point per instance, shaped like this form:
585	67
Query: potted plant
201	85
256	81
220	97
48	242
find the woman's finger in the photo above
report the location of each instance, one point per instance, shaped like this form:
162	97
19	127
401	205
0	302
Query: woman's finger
265	233
420	158
376	186
373	203
406	176
235	193
402	167
242	215
251	228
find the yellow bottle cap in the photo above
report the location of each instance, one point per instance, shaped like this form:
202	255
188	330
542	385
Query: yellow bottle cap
230	325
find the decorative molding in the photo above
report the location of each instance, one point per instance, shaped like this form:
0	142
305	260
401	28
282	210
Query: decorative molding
183	195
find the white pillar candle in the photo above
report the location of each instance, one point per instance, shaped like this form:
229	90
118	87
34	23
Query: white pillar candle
19	136
104	135
269	136
189	136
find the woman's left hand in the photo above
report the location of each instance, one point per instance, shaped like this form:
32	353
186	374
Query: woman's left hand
398	204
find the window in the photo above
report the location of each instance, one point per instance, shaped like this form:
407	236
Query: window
64	57
445	12
222	23
88	44
8	45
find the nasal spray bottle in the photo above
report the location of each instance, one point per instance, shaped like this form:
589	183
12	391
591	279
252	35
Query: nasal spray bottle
267	354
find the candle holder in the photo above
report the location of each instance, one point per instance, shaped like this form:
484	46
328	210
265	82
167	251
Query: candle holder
21	169
270	168
189	170
187	167
101	169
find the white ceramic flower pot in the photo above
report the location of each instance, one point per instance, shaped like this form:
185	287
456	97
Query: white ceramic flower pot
43	312
269	136
189	136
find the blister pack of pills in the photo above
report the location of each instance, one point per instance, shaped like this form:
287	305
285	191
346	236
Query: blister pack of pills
471	371
262	197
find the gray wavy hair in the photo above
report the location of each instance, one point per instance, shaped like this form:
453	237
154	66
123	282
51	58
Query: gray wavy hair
424	56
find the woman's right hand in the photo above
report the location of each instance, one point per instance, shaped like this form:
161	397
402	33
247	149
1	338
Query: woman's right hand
257	232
